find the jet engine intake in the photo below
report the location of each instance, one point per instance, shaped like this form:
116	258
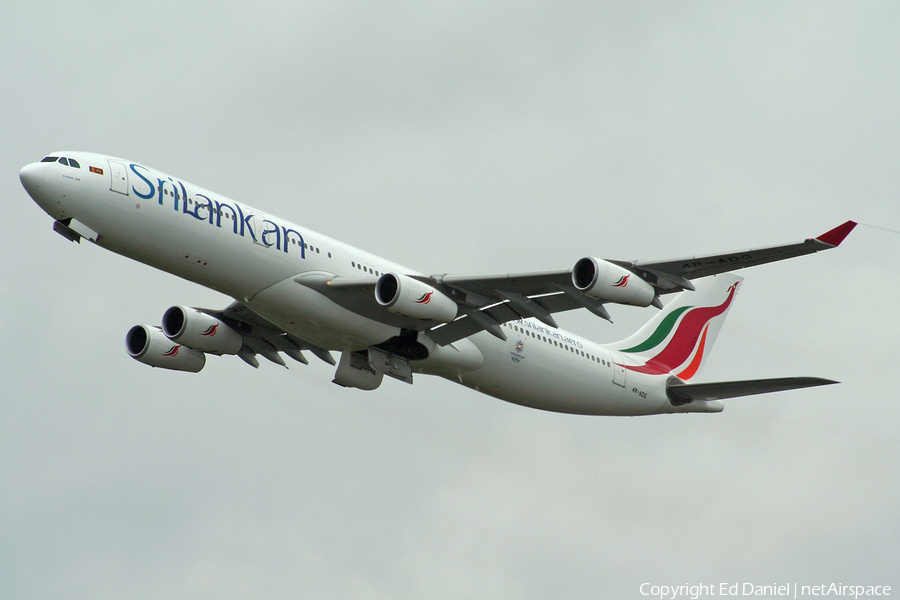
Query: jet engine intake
411	298
150	346
607	281
200	331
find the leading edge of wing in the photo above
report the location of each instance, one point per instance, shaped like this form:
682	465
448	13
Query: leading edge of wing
702	266
486	301
528	284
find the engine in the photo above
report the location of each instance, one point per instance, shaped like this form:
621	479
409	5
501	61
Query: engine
412	298
150	346
200	331
607	281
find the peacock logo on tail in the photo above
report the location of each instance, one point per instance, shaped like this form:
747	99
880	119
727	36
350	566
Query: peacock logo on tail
683	354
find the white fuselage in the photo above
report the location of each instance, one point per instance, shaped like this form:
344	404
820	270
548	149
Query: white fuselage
255	258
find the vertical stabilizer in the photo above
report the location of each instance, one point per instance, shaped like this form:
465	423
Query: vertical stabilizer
678	339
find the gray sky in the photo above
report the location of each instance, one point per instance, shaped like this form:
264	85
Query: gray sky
461	137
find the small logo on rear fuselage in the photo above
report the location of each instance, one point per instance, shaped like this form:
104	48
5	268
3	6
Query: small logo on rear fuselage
518	355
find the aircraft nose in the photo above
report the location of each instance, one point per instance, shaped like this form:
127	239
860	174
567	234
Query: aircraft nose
31	177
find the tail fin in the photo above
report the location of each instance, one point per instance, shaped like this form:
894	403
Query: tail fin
678	340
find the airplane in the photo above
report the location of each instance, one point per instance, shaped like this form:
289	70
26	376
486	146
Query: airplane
297	291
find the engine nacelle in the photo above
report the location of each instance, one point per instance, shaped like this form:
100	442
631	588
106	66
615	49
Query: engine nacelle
607	281
150	346
200	331
412	298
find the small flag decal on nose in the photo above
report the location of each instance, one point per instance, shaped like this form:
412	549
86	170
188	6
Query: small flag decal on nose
97	170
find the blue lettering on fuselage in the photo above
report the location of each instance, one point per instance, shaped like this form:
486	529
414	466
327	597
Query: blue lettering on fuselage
201	202
151	192
222	210
245	221
211	211
270	228
163	189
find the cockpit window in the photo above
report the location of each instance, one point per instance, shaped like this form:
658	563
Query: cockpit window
70	162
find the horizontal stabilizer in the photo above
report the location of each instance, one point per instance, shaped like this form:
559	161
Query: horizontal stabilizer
682	393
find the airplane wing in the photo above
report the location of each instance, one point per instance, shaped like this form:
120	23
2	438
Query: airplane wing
486	301
695	267
263	338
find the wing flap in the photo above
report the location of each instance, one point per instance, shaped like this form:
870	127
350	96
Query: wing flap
499	313
266	339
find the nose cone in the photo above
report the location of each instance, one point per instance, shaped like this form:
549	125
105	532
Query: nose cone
32	178
36	182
